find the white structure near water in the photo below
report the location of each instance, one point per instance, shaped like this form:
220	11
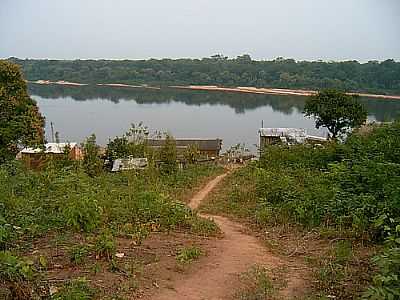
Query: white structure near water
289	136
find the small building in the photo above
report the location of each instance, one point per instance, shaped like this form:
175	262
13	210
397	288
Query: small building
271	136
125	164
206	147
288	136
34	157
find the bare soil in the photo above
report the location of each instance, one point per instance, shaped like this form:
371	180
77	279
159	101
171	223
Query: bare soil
273	91
217	275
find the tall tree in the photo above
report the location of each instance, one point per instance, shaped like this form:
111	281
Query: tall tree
21	123
336	111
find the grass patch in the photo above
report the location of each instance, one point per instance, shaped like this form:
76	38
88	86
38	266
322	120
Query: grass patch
257	284
77	289
188	254
66	204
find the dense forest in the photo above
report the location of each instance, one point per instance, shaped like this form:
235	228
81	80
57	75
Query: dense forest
373	76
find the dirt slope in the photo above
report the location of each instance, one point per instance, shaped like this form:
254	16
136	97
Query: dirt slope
216	276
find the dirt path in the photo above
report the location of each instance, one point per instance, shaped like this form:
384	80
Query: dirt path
216	276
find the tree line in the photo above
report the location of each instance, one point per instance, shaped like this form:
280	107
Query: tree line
372	76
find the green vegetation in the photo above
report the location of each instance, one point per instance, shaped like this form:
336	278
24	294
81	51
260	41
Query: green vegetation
72	197
257	285
77	289
348	191
32	203
17	274
373	76
130	144
188	254
20	120
336	111
78	254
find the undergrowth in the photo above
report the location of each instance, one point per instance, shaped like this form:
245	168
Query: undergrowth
64	200
349	190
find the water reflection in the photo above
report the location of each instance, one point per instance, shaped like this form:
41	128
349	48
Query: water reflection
80	111
380	110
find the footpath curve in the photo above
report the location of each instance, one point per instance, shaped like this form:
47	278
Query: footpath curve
215	278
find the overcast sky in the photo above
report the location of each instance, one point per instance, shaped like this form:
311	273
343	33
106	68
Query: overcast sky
265	29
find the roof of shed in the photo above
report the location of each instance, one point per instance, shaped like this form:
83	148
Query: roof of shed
278	132
202	144
55	148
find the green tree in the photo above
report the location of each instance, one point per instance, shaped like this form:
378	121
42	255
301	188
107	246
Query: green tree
192	154
168	155
92	162
21	123
336	111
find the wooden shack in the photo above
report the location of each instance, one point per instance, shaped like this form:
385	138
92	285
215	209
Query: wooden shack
270	136
206	147
288	136
35	157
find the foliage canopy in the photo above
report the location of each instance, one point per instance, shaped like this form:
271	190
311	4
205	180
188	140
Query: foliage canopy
21	123
336	111
373	76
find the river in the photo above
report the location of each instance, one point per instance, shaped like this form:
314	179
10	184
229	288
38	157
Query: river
77	112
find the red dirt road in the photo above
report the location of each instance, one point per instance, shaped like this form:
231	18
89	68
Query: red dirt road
216	276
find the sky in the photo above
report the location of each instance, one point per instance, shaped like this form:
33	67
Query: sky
130	29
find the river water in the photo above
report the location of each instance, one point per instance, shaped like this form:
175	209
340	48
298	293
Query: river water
77	112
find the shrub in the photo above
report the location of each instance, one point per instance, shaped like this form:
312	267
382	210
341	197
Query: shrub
168	156
82	212
17	274
188	254
92	163
105	245
131	144
77	289
386	284
78	253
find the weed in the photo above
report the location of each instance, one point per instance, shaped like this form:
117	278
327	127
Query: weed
105	245
257	285
96	268
18	275
113	266
205	227
188	254
78	254
77	289
82	212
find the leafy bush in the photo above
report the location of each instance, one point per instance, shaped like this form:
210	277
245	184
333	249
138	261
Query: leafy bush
82	212
131	144
105	245
386	284
17	274
34	203
188	254
168	156
92	163
353	185
78	253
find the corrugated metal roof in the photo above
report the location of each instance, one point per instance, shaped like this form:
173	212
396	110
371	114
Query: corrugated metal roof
277	132
287	135
55	148
316	138
202	144
124	164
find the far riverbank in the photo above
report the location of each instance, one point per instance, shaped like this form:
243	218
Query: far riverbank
248	90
